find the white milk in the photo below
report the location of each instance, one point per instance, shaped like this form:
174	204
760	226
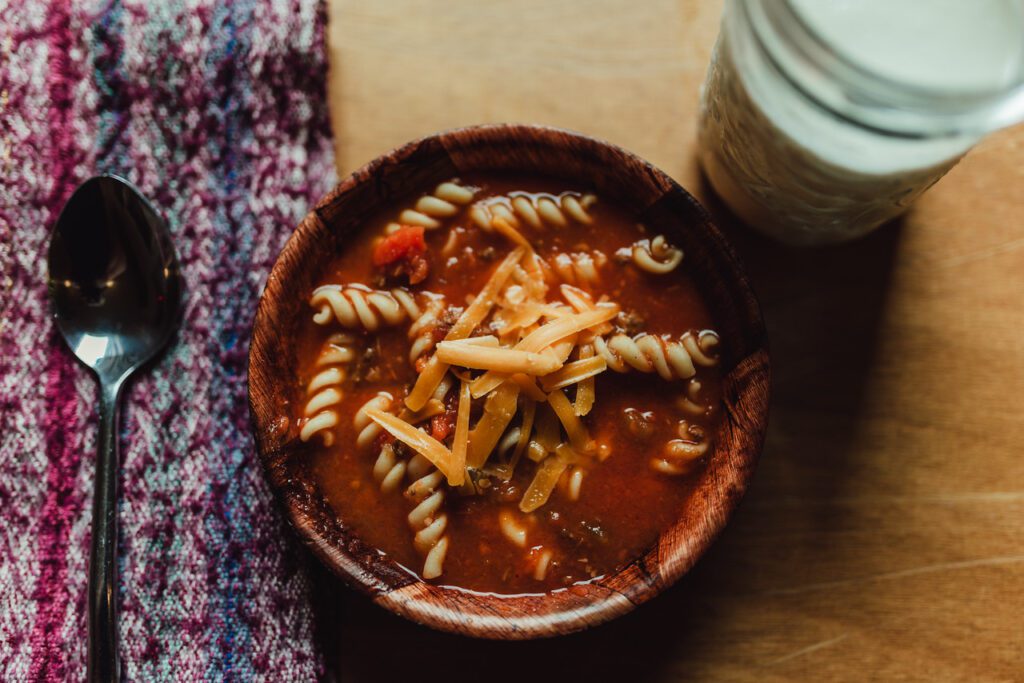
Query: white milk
789	162
953	45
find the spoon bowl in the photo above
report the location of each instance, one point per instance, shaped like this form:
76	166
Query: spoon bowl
113	277
113	281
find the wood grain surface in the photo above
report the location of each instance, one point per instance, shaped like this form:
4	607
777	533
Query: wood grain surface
883	534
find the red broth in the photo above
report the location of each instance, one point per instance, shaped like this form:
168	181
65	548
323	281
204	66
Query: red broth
623	503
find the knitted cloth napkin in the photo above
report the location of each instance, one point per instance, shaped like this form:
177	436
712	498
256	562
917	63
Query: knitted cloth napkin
216	111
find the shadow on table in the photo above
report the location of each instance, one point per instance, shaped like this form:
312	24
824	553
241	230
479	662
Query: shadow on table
822	309
363	642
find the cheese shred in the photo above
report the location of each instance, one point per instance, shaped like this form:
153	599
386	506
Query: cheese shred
578	435
460	442
416	439
574	372
474	314
497	359
520	353
585	392
499	409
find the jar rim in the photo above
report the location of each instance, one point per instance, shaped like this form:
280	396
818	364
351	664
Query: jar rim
859	94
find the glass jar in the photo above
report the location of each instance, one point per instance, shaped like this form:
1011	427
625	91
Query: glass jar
818	126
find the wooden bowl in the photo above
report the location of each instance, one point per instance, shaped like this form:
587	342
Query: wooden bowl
616	175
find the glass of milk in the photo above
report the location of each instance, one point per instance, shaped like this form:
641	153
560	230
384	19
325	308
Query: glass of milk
822	119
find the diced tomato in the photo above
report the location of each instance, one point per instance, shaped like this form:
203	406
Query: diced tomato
421	363
442	425
440	331
405	244
418	268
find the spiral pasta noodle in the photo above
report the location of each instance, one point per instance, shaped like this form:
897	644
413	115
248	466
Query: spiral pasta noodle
421	332
579	268
649	353
357	306
571	482
541	562
431	209
324	390
367	429
679	454
702	347
534	211
655	255
512	528
690	402
388	469
428	519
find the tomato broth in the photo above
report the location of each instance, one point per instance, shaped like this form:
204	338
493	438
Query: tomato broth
625	466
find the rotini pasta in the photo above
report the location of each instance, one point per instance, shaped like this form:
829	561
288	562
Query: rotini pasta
367	429
430	210
512	528
452	243
579	268
690	403
679	454
571	482
421	332
535	211
325	389
655	255
702	348
541	564
650	353
357	306
428	519
388	469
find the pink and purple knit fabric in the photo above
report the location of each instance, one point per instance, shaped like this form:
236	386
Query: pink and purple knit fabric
216	111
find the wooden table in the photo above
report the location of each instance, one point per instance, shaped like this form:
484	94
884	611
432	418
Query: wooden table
883	535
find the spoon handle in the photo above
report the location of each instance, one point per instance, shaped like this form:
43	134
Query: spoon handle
103	660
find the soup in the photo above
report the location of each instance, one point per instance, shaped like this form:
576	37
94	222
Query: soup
511	385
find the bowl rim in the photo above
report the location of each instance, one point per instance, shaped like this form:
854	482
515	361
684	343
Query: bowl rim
562	611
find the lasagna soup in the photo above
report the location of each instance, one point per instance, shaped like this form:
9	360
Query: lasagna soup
510	385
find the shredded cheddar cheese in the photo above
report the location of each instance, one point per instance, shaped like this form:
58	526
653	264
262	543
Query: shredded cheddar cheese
574	372
416	439
460	441
463	327
523	343
497	359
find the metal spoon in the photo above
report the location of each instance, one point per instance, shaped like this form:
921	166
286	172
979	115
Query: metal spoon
114	285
